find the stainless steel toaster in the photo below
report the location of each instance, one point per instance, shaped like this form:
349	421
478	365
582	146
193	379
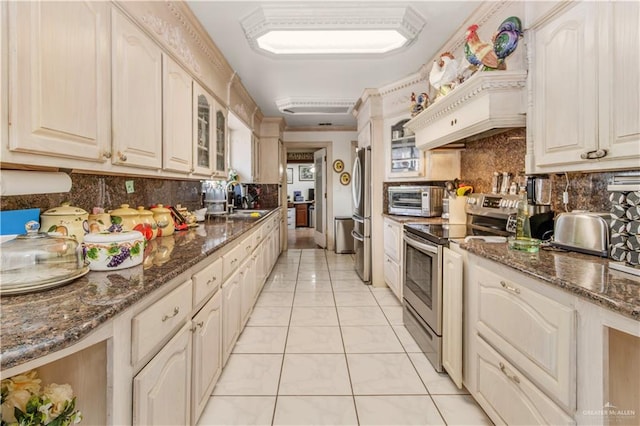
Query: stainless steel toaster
585	232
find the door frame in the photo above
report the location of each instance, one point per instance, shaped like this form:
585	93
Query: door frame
315	145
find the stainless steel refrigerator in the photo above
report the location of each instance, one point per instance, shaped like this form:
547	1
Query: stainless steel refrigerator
361	191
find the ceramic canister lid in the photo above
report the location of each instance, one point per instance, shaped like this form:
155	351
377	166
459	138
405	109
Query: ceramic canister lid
65	209
160	209
113	237
124	210
143	212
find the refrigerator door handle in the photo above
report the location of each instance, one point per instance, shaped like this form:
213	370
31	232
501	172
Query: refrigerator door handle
358	219
357	236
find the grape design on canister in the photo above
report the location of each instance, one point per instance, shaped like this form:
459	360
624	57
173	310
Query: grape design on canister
119	258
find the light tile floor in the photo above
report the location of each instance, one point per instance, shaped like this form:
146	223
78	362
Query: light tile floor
322	348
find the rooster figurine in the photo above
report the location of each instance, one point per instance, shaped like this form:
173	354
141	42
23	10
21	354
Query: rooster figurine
493	55
444	74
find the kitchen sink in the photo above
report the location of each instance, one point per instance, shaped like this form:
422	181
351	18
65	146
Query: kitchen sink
249	213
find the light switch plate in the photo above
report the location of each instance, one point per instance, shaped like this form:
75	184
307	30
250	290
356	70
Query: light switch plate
129	186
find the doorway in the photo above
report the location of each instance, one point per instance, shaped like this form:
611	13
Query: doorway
307	195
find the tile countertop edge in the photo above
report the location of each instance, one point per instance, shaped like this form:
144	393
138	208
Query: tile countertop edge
616	291
39	336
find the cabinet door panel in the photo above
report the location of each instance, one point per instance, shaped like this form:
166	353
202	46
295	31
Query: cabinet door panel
565	109
620	90
502	389
60	78
452	315
207	353
392	276
534	331
203	126
231	301
137	96
162	390
176	118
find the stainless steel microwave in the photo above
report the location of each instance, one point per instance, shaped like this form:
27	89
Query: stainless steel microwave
425	201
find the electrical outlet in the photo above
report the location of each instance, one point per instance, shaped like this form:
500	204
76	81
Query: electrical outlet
129	186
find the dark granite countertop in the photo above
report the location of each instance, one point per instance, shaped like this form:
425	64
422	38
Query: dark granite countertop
583	275
36	324
414	219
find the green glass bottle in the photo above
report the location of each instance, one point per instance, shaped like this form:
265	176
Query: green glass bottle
523	227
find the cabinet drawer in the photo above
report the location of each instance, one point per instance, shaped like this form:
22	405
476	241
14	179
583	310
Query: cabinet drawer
231	260
155	324
207	281
392	239
504	391
257	237
533	331
392	276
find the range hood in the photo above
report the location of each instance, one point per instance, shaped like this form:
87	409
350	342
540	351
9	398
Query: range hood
483	105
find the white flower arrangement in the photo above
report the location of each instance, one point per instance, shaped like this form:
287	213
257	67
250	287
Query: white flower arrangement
25	404
233	175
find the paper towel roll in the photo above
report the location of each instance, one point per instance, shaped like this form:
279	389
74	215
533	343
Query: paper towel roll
21	182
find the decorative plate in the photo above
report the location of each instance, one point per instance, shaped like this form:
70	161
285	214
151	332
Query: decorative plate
345	178
338	166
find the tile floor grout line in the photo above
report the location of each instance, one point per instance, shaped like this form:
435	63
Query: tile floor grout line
284	349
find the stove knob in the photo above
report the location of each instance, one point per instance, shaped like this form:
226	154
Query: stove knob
513	204
471	200
503	203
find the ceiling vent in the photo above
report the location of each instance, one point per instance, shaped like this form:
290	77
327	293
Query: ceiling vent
314	106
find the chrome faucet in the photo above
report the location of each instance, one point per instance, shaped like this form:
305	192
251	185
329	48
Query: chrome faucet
230	185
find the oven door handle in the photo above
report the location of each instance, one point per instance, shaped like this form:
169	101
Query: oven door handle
355	235
421	246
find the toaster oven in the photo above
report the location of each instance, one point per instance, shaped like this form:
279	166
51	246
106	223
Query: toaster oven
425	201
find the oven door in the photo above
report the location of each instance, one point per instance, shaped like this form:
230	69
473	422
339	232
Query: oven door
423	280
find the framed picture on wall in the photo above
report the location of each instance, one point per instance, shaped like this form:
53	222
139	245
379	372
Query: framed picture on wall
305	172
289	175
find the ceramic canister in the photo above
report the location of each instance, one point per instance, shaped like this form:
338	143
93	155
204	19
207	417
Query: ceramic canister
108	251
163	218
147	220
126	217
66	220
99	222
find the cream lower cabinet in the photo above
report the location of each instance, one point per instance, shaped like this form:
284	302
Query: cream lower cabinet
247	289
522	346
207	353
60	80
231	314
393	256
137	96
162	390
589	122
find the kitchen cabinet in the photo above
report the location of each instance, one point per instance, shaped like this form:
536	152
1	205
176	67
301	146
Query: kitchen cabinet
60	80
162	389
247	289
136	96
589	122
393	256
404	159
177	119
220	164
271	169
207	353
204	113
231	305
530	330
243	150
452	314
302	217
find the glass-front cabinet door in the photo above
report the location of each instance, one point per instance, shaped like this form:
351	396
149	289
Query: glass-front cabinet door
405	158
202	127
220	166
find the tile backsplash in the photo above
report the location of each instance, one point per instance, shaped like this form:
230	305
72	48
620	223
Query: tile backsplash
109	192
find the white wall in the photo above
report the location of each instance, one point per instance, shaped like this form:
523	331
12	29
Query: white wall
297	184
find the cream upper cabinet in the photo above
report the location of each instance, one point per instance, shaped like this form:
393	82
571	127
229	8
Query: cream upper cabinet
589	121
203	131
59	79
220	163
176	117
137	96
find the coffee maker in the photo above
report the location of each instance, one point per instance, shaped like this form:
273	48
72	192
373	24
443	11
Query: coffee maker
539	202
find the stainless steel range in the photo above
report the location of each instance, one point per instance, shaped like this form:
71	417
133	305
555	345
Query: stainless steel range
487	215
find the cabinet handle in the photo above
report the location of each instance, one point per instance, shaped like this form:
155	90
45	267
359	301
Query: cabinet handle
454	121
106	154
175	312
121	156
592	155
211	281
509	288
511	377
248	248
195	327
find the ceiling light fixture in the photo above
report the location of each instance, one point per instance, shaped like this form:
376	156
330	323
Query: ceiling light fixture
333	28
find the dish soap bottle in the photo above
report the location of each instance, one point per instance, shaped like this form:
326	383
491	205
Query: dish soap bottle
523	227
